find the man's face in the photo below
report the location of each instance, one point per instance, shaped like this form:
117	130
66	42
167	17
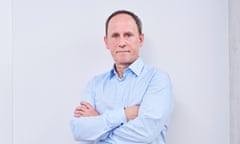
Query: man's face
123	39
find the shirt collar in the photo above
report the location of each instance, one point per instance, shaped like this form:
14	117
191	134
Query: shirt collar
136	67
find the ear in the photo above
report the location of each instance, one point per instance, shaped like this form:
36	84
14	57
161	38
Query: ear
106	41
141	39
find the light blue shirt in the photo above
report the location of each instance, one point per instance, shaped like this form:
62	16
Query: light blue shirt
141	85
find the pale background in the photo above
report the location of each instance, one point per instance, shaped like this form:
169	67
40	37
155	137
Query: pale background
49	49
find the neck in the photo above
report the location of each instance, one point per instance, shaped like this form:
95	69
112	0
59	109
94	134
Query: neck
120	68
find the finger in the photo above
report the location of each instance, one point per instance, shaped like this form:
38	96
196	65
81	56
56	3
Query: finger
81	108
78	107
79	113
86	104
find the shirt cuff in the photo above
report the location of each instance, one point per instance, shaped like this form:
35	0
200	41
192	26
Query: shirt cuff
114	118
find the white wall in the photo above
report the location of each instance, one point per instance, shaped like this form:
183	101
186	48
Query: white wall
5	72
234	49
58	46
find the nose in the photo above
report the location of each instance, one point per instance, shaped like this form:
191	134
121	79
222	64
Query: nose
122	42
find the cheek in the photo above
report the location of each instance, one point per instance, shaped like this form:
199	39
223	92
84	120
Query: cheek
135	45
112	45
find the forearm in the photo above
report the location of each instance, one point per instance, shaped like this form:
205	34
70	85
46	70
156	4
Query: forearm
141	130
88	128
154	113
95	127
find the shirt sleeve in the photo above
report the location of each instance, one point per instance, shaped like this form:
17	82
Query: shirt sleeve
95	127
153	116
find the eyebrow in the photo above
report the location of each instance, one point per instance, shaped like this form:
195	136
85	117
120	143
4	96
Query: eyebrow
126	33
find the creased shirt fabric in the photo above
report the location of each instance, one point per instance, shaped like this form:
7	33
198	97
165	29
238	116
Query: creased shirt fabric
142	85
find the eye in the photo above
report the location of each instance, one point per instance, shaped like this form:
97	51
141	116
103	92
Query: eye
128	34
115	35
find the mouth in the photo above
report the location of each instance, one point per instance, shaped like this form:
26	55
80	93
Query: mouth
123	51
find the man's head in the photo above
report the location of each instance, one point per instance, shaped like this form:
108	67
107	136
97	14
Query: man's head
134	16
124	36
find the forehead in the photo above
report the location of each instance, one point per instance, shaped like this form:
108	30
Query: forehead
122	20
121	16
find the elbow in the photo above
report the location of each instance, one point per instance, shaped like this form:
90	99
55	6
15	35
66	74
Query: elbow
76	131
76	134
156	128
148	137
79	132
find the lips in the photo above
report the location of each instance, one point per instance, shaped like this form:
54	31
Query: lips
123	51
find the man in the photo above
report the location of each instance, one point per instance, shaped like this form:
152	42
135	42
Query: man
130	104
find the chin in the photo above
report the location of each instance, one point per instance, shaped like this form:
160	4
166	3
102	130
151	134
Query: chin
124	61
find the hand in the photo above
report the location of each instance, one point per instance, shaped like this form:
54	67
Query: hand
131	112
85	109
